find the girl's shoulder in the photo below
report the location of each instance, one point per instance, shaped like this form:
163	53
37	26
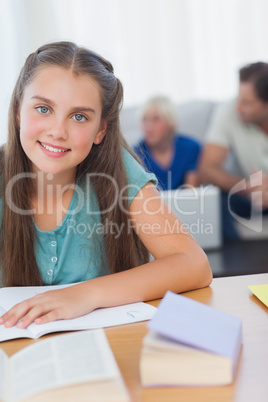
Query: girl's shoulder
137	176
134	169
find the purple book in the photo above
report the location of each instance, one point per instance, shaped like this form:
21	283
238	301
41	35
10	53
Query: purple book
199	326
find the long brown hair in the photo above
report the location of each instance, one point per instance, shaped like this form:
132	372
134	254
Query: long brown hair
18	233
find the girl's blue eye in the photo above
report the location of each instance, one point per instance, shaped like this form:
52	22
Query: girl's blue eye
43	109
79	117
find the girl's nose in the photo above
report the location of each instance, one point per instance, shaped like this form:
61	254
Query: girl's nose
58	131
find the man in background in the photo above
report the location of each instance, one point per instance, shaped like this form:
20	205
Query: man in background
240	126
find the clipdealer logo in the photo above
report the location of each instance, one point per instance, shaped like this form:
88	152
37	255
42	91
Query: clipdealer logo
255	221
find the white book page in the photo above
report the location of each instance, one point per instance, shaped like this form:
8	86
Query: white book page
13	295
100	318
62	360
13	332
4	376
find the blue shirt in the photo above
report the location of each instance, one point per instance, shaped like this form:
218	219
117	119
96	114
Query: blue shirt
75	251
186	153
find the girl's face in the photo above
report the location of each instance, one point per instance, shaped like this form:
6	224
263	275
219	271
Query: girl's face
156	128
60	119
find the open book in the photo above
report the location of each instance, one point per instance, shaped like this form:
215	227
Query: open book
190	343
100	318
51	369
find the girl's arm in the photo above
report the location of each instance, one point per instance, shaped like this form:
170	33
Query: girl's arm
180	265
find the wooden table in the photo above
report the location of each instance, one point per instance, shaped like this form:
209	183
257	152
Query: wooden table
229	294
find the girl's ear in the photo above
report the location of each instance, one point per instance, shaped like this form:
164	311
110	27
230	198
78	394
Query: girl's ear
101	133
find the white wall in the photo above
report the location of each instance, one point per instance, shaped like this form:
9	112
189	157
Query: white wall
186	49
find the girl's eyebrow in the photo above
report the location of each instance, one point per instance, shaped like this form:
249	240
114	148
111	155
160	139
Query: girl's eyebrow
74	109
42	99
83	109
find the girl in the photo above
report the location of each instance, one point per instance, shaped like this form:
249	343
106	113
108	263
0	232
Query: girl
76	204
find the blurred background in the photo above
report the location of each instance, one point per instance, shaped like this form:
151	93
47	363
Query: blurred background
185	49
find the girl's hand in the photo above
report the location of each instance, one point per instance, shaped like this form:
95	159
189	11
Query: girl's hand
67	303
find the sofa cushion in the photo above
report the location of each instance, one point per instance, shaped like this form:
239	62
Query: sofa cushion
193	118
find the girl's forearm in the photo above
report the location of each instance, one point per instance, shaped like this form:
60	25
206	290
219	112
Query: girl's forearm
177	272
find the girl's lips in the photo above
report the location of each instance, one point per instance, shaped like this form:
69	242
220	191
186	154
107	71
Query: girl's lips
45	144
53	151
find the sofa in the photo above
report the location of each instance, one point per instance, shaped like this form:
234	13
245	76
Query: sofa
193	119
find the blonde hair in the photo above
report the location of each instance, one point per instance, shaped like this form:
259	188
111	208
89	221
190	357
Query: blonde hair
164	107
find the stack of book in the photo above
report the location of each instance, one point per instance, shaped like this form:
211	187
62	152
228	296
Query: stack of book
190	344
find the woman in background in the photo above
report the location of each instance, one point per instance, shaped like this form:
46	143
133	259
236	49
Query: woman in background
170	156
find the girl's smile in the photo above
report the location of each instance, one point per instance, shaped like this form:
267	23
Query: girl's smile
60	120
53	151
